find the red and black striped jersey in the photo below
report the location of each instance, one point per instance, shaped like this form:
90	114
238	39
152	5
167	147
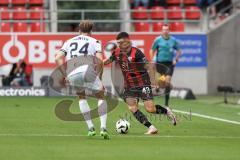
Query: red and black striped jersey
132	65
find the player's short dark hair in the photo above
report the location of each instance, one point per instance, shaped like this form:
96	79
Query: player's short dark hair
122	35
86	26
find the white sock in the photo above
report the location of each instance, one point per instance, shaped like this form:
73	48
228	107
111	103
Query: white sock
102	111
85	109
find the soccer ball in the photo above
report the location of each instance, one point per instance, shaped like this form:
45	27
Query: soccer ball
122	126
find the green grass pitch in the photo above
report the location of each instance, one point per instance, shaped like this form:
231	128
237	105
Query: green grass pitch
29	130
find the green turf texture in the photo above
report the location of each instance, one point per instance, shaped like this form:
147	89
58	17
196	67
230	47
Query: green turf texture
29	130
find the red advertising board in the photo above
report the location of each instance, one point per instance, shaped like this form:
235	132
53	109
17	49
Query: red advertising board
39	49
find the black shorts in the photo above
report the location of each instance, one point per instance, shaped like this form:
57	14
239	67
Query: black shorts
165	68
144	93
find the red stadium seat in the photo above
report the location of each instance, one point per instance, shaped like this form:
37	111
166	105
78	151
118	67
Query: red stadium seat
192	12
36	13
36	2
177	27
5	27
142	27
19	2
19	13
37	27
140	13
189	1
20	27
5	14
174	12
157	26
157	12
4	2
173	1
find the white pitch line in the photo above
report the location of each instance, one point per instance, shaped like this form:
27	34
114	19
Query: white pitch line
203	116
120	136
207	117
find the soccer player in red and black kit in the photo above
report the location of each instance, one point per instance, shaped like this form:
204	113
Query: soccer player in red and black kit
137	75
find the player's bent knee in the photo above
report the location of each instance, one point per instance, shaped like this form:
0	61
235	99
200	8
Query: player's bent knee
133	109
151	109
150	106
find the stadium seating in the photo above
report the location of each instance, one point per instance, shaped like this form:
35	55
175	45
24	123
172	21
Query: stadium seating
4	2
157	12
140	13
183	11
20	13
20	27
173	1
39	2
177	27
157	26
142	27
189	1
175	12
37	27
19	2
4	13
192	12
5	27
36	13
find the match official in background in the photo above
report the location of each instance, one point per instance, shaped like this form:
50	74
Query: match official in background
162	53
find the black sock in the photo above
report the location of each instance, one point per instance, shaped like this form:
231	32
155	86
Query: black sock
167	95
160	109
142	118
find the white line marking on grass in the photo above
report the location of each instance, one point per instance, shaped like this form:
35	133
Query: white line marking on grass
121	136
207	117
203	116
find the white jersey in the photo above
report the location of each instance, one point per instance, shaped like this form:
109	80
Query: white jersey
79	46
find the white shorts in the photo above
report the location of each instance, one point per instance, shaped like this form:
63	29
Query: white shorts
85	80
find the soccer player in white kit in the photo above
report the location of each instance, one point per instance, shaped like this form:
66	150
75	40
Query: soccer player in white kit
79	47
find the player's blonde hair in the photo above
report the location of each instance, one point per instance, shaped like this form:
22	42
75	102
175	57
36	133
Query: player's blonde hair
85	26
